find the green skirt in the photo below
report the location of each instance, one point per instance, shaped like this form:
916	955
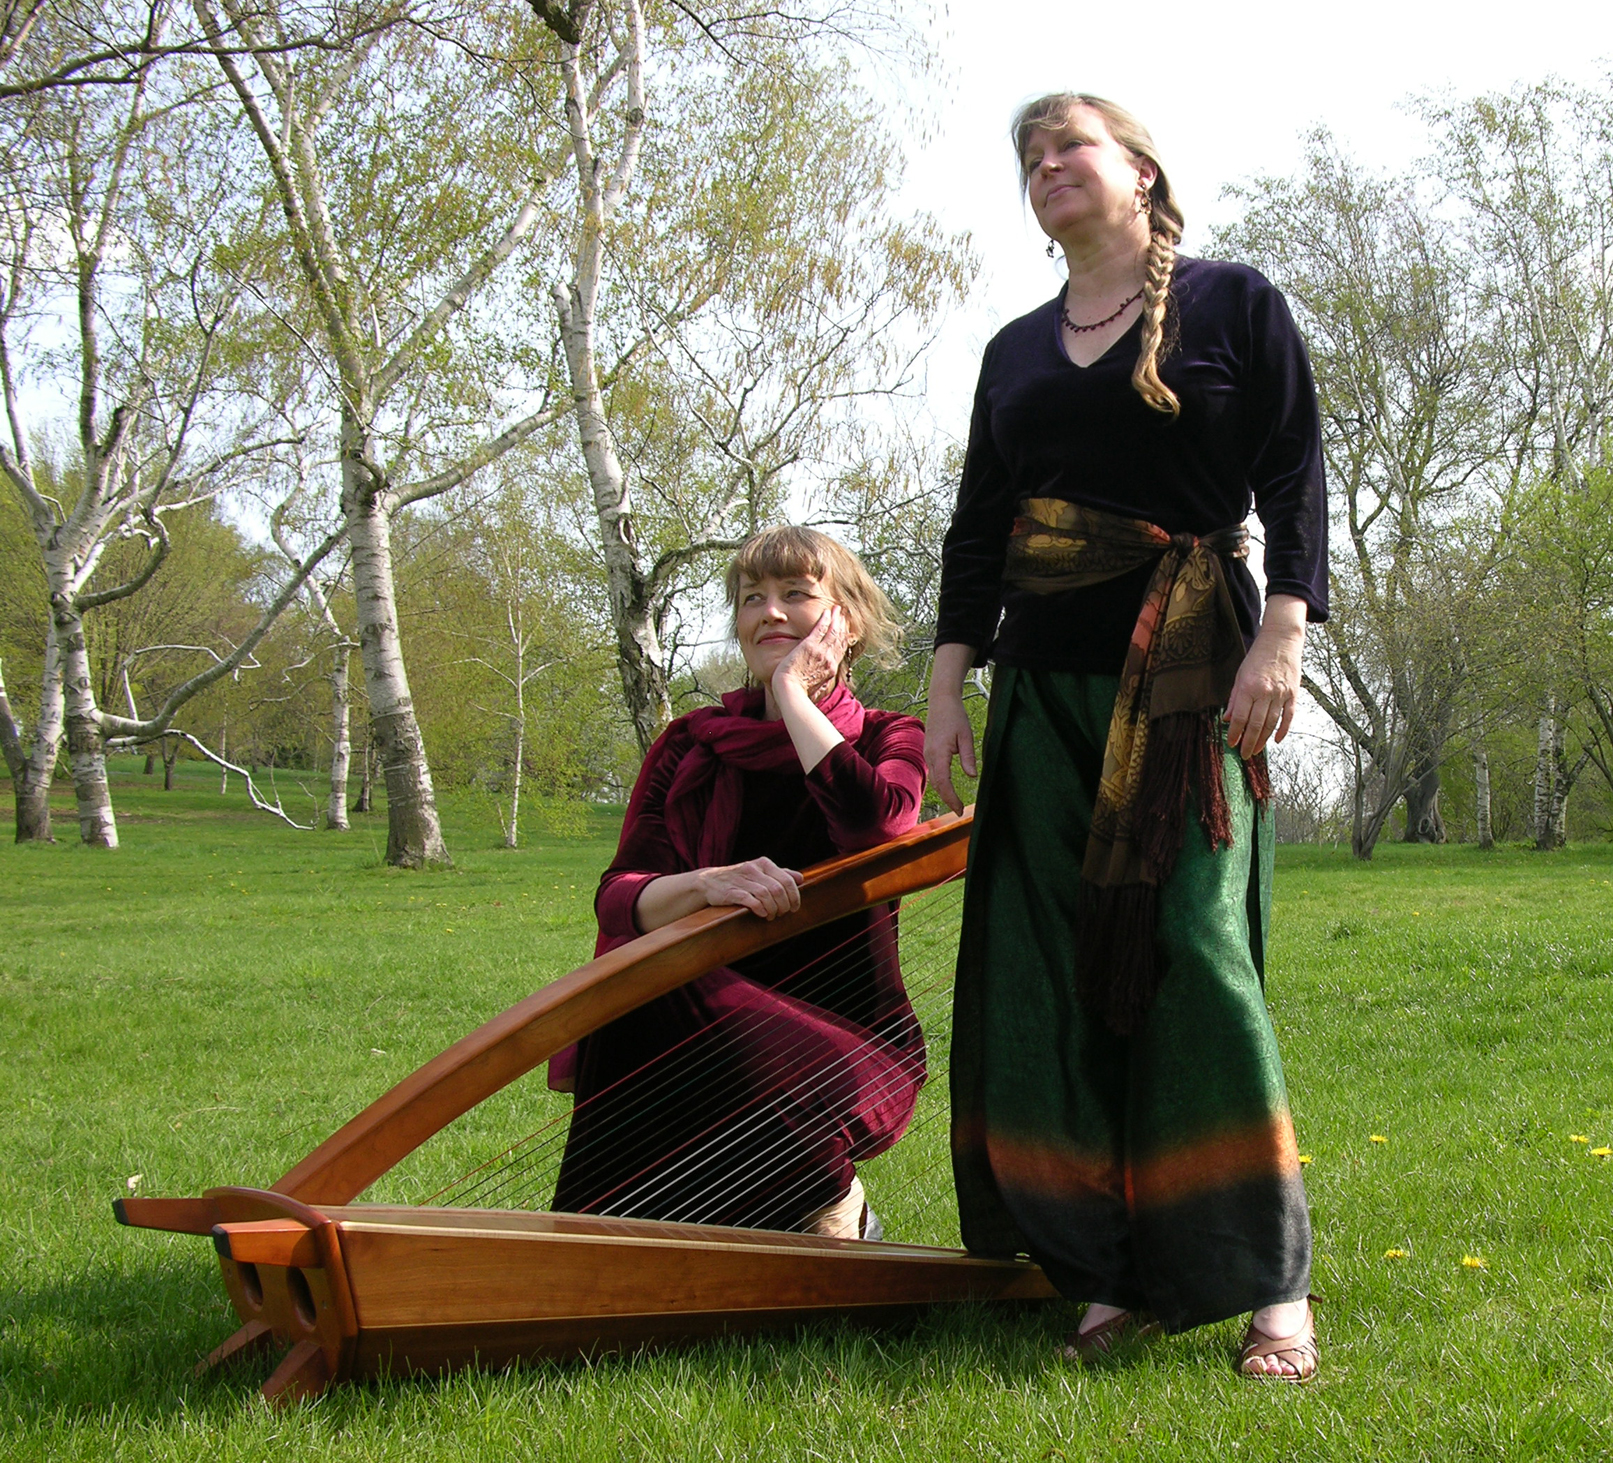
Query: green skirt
1157	1171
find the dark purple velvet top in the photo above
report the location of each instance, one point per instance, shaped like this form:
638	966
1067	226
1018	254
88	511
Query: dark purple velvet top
1044	427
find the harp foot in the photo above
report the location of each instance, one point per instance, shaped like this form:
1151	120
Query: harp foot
254	1336
303	1375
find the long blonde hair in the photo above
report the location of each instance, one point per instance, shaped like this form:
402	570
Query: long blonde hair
1164	224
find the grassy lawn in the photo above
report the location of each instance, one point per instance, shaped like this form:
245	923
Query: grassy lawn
206	1004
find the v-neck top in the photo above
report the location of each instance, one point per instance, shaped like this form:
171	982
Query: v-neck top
1248	436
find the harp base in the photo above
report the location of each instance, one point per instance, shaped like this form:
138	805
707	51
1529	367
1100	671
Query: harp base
254	1336
435	1350
375	1290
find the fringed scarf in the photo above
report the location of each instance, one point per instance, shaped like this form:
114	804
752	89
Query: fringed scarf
1164	737
706	795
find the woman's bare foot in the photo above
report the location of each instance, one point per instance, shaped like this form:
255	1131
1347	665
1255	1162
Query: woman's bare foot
1095	1316
1290	1323
1102	1329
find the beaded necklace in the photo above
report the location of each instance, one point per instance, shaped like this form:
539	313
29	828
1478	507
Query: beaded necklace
1064	315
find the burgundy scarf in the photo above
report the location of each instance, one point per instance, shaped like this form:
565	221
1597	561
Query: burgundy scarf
1165	734
704	801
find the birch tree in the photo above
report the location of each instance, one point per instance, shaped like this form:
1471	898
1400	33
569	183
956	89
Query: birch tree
293	520
61	45
1422	444
409	169
1533	173
1567	536
149	435
517	642
731	275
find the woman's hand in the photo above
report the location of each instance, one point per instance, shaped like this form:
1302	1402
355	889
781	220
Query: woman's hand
947	730
759	884
814	663
1261	707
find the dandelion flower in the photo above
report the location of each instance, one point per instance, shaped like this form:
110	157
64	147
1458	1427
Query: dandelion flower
1379	1138
1578	1138
1305	1159
1396	1254
1475	1262
1602	1152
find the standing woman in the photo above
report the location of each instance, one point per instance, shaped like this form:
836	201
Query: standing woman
1119	1110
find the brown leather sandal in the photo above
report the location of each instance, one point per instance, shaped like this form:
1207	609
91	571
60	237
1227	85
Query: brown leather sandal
1299	1350
1086	1347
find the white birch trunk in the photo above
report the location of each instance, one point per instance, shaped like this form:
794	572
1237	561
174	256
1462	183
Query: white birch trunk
640	657
341	754
1562	780
641	660
1545	774
31	786
414	834
511	834
1481	796
86	752
366	785
10	735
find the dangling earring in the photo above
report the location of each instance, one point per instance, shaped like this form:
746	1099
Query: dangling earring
1145	204
1049	248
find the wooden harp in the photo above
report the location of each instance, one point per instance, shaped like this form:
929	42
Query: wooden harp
361	1289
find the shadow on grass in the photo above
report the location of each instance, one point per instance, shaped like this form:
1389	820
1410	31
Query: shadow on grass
116	1339
120	1344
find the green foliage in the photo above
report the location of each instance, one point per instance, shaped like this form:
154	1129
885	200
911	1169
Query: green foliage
311	977
24	612
493	591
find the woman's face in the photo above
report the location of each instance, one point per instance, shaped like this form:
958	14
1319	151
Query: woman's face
1080	180
773	615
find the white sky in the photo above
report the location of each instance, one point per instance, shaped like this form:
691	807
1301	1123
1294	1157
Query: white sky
1228	88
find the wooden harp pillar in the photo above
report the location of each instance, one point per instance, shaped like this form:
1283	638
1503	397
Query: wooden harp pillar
355	1290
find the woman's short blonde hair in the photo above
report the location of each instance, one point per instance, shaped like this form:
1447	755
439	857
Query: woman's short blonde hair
791	552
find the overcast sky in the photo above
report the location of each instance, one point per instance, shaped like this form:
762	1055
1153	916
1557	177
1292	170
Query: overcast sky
1227	88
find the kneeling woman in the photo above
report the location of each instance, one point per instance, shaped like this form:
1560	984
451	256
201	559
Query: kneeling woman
747	1096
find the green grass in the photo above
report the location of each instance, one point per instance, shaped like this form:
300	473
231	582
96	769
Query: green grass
207	1003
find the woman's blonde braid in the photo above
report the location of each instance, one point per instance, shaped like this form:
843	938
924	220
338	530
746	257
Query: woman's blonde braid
1160	266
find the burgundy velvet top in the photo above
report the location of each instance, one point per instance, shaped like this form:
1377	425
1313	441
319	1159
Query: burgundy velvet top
860	795
791	1066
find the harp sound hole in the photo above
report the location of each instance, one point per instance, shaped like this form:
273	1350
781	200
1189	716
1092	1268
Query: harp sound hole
252	1284
302	1298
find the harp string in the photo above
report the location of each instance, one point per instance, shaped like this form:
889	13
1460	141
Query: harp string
686	1073
801	1137
678	1070
758	1182
778	1175
499	1181
523	1173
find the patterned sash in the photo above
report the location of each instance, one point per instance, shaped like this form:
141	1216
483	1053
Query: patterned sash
1165	734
